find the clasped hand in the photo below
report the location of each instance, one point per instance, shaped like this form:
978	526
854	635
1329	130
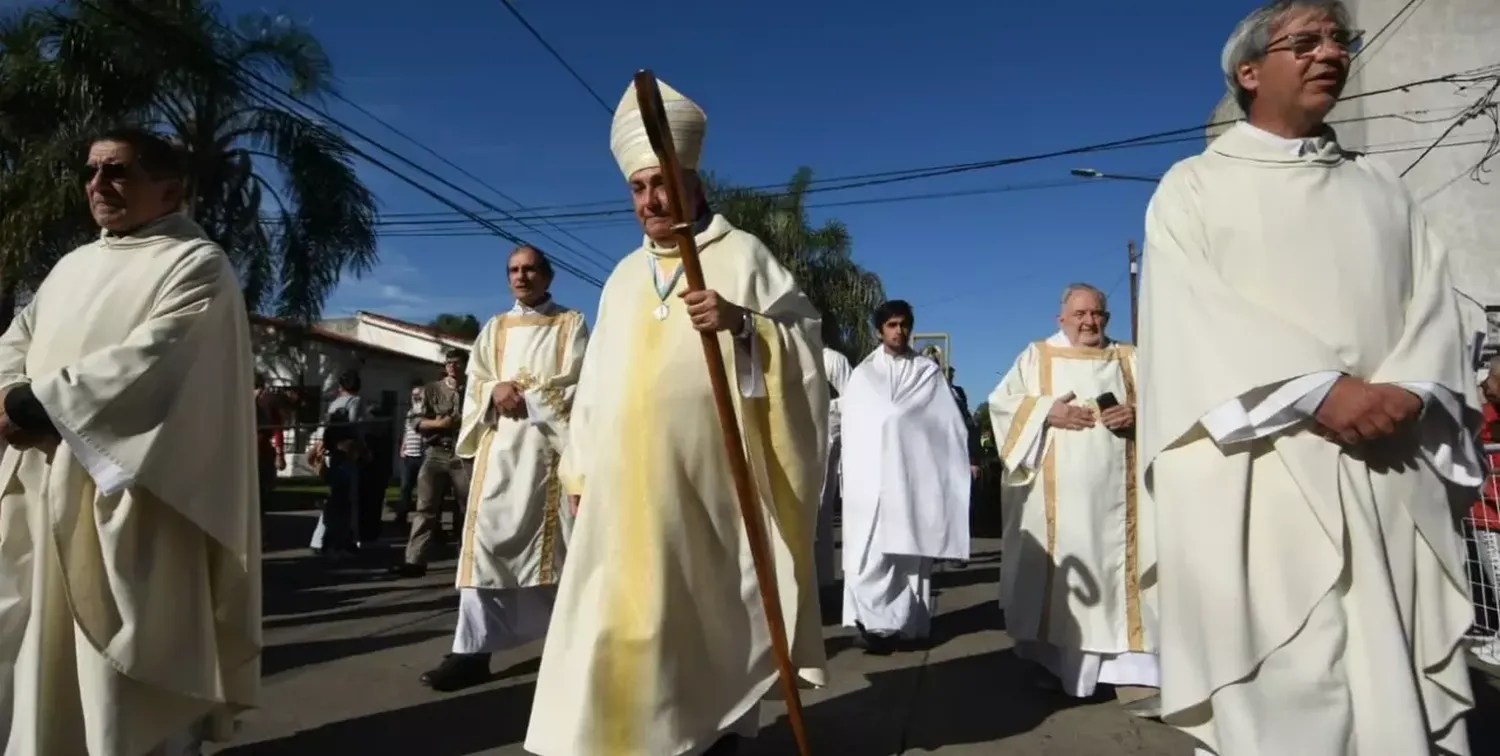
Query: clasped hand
711	312
17	438
1067	416
1357	412
509	400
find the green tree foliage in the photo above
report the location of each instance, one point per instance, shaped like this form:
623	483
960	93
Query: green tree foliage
455	325
69	69
818	257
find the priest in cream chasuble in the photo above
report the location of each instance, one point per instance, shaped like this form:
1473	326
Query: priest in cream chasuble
1077	539
906	485
129	526
837	368
1308	416
522	373
658	644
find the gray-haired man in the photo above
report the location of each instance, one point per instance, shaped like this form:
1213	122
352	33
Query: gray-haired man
1307	421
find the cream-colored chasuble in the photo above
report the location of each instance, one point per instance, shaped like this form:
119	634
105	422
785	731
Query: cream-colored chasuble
658	642
515	531
1074	584
130	561
1313	600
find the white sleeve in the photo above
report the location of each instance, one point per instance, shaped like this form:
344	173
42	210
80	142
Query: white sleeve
748	371
1445	443
1269	409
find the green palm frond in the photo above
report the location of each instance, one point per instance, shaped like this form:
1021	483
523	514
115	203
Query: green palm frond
69	70
820	258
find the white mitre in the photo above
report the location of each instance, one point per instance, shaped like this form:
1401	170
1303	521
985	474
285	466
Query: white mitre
627	135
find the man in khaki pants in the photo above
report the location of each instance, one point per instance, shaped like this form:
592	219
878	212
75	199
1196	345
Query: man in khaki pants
442	470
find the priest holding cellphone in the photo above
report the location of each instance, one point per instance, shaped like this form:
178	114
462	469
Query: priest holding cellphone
1077	530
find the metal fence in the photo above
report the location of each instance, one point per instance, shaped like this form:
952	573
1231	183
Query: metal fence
1481	527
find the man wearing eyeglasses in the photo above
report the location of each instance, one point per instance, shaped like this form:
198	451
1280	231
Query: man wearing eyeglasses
129	541
1306	424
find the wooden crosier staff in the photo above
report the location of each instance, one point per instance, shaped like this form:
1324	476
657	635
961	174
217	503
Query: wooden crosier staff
654	116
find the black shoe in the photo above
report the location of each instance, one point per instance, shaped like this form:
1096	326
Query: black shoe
727	746
408	570
458	671
872	644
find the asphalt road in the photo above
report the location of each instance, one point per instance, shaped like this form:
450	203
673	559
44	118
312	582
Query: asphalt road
345	647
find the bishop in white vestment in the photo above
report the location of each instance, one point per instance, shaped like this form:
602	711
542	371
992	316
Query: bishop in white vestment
1076	543
836	366
658	644
521	377
1307	425
906	485
129	529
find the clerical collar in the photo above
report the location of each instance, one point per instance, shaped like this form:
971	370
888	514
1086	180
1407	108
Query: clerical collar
1294	147
521	308
173	223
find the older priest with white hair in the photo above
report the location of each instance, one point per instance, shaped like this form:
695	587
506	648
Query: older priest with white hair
658	644
1307	418
1075	579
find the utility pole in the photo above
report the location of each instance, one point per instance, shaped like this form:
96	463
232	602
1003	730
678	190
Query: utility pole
1135	274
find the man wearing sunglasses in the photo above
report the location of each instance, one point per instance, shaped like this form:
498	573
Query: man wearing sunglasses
129	543
1307	424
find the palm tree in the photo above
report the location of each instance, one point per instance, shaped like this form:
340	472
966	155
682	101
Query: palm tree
818	258
278	191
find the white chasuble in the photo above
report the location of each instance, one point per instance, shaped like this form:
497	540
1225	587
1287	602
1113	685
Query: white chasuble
658	641
514	532
1078	552
906	490
130	558
1313	598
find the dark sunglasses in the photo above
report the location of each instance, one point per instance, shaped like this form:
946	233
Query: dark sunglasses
107	172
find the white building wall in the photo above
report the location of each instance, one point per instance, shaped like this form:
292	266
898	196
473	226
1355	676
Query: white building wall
1433	38
317	362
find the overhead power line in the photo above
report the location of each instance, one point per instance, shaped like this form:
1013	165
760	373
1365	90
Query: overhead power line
557	56
443	229
880	178
144	22
598	255
1485	105
428	219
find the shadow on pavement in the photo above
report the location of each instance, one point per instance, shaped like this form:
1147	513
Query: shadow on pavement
949	579
976	699
289	656
450	726
444	602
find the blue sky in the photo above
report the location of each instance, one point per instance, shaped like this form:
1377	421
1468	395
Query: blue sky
845	88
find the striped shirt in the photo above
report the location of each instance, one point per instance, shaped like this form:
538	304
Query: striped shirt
412	443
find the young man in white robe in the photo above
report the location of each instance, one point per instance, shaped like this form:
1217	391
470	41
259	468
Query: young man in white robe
1076	543
1307	425
836	366
906	485
658	642
521	377
129	540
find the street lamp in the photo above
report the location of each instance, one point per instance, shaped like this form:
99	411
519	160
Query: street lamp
1090	173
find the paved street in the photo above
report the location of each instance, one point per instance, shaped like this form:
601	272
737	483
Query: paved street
345	649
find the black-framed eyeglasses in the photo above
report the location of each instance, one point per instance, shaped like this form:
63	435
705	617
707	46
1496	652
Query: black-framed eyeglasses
1304	44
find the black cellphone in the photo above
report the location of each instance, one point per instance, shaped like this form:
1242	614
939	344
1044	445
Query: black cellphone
1107	400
